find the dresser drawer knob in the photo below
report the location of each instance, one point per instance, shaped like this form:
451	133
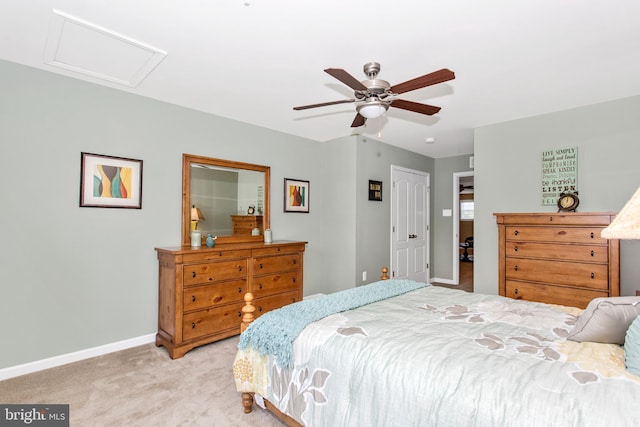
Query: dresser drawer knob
551	219
592	253
220	253
295	261
593	276
293	300
193	298
260	308
193	325
260	266
515	267
239	290
516	232
239	268
239	314
294	280
515	249
193	274
260	286
592	235
515	291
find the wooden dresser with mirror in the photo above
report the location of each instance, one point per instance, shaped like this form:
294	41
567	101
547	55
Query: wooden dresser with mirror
201	290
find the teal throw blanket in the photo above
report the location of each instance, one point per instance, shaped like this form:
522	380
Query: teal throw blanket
274	332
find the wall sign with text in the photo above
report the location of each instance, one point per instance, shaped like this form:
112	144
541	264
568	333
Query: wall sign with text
559	173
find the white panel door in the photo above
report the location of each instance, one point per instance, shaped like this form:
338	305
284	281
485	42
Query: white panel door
410	225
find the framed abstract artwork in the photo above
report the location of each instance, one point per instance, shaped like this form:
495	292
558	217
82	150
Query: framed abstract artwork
296	195
110	182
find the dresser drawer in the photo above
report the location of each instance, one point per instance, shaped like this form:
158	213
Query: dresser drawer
199	297
213	254
276	283
278	249
205	322
276	264
589	253
582	275
214	271
552	294
555	234
273	302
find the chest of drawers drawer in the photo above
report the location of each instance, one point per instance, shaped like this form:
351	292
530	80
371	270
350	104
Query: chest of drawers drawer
213	320
275	283
560	234
273	302
551	294
594	276
214	271
557	251
205	296
275	264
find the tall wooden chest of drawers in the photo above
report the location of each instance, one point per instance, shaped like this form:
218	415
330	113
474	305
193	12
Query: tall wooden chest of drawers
201	290
244	224
557	258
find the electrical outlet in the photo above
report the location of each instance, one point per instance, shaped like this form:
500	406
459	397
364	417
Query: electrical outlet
364	276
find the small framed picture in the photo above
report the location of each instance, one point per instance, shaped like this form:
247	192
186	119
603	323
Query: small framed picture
110	182
375	190
296	195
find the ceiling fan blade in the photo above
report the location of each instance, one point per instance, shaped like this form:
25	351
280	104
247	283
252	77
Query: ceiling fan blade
360	120
424	81
323	104
346	78
416	107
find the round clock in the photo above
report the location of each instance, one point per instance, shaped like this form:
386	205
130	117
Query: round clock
568	202
251	210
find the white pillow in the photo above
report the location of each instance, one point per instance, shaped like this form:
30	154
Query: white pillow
606	320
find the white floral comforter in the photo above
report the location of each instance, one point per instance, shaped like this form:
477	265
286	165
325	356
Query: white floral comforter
441	357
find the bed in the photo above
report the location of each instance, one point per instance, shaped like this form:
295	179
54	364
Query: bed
402	353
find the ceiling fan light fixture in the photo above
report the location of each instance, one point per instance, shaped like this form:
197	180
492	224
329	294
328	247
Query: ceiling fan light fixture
372	109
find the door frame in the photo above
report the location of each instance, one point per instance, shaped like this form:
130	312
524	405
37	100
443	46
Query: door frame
427	216
456	224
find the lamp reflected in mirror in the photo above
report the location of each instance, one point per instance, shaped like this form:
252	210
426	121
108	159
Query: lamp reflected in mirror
196	215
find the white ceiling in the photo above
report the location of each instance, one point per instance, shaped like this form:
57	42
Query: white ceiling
254	60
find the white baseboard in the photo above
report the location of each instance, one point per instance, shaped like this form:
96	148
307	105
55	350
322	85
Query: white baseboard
445	281
63	359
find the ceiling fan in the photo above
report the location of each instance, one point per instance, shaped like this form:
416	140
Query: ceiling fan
374	96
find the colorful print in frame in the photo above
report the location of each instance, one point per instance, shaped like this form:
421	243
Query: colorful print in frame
296	195
110	182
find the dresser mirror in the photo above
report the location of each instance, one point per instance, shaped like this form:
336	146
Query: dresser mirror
220	190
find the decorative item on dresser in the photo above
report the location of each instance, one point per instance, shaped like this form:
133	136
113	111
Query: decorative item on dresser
557	258
244	224
201	291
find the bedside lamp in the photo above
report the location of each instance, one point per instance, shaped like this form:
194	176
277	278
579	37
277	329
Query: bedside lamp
196	215
626	225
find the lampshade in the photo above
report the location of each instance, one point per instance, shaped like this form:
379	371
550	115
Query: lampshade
626	225
372	109
196	214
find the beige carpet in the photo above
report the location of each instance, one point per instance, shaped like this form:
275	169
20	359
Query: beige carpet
142	386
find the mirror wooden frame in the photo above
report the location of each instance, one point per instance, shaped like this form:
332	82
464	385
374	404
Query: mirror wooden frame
187	161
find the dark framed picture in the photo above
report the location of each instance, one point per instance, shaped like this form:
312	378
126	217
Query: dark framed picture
110	182
296	195
375	190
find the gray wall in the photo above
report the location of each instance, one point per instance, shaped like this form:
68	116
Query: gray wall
372	233
508	174
77	278
442	226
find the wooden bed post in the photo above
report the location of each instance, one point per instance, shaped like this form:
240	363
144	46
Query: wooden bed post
247	402
247	316
384	276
